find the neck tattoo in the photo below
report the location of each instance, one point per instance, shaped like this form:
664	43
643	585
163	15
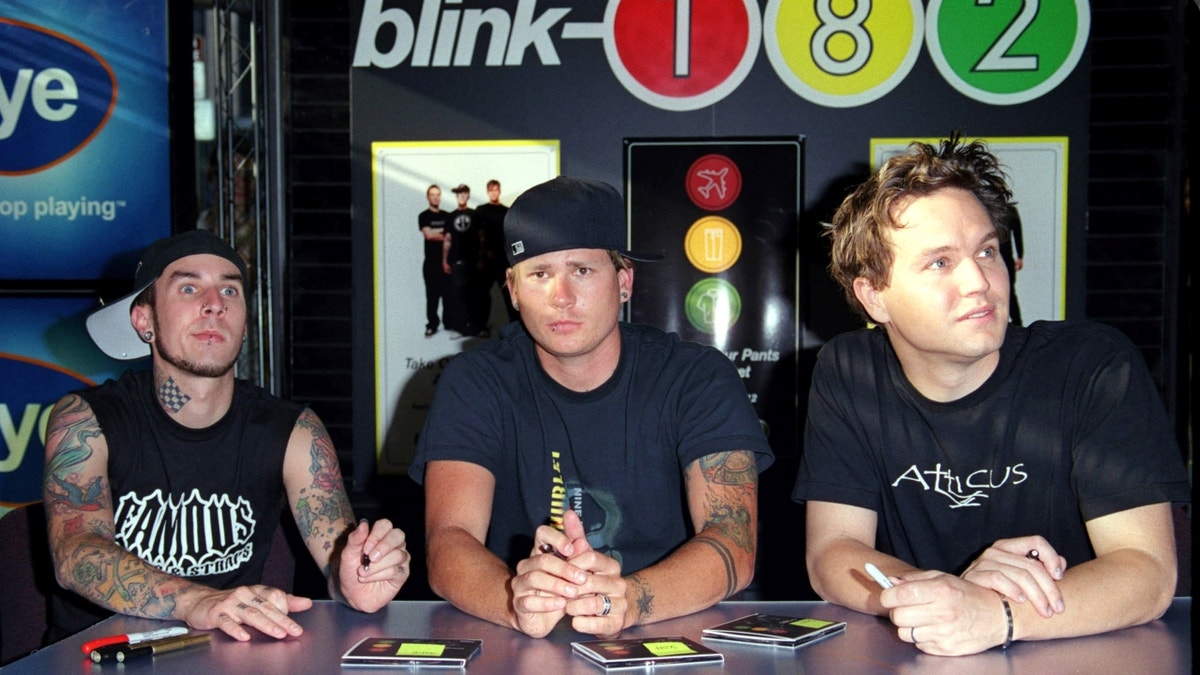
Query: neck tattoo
171	396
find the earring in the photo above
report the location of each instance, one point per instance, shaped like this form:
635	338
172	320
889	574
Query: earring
624	295
148	335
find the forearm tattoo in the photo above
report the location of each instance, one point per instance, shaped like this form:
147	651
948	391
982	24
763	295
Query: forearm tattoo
642	596
125	584
322	508
731	575
81	537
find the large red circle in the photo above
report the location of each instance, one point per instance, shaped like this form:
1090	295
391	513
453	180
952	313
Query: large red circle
644	34
714	182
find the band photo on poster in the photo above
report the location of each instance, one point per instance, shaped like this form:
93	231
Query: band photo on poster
439	265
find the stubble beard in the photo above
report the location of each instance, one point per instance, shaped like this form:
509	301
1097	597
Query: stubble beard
191	367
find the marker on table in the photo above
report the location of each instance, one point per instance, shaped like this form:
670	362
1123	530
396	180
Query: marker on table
122	653
879	577
133	638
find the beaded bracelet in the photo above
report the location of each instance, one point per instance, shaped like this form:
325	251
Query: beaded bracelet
1008	616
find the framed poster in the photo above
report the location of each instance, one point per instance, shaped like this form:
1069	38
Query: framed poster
408	361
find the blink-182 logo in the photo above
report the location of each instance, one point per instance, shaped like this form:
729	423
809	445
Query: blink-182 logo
188	536
687	54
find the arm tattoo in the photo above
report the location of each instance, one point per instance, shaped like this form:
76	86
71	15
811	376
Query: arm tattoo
74	425
731	577
643	597
729	468
322	508
732	518
728	509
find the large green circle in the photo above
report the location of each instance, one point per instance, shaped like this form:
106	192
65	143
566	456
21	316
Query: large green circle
713	305
1005	52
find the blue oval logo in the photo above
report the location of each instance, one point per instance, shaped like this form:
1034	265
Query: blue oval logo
55	95
31	388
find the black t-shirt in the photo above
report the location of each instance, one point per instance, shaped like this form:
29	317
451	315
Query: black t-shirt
491	221
1068	428
464	238
435	220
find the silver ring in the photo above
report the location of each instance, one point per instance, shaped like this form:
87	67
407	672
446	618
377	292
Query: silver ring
912	633
607	606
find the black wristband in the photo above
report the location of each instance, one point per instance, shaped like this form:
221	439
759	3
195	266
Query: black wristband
1008	616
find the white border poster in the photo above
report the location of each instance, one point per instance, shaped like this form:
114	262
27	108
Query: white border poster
407	363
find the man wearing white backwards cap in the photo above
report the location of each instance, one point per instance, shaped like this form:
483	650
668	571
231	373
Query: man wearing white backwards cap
163	489
580	466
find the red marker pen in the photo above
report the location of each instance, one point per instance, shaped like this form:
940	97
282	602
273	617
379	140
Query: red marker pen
132	638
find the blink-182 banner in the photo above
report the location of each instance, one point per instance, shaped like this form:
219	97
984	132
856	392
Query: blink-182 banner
725	215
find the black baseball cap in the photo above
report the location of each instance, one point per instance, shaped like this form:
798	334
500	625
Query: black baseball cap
110	327
566	213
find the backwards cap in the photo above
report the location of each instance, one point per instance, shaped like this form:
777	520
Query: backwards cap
566	213
110	326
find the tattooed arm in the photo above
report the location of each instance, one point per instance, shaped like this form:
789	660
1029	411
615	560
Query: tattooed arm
722	497
88	561
322	510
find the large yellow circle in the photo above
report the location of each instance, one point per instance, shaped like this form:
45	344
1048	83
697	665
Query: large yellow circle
843	52
712	244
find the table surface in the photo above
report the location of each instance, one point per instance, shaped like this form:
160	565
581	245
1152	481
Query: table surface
869	645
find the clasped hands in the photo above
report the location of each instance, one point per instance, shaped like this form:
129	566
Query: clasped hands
366	588
564	575
947	615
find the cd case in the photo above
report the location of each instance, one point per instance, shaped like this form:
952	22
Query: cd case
770	629
645	652
396	651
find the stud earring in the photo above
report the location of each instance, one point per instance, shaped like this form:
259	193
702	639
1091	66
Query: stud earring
624	295
148	335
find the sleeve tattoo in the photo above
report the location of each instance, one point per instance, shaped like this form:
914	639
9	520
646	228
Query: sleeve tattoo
322	508
730	489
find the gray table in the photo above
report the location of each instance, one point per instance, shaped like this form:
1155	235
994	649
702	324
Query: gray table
869	645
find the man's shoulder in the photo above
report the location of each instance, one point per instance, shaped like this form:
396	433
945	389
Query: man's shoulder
246	393
651	344
854	344
1076	337
126	383
431	218
506	353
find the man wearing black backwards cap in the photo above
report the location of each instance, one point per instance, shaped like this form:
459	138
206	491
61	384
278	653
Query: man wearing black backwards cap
579	465
163	488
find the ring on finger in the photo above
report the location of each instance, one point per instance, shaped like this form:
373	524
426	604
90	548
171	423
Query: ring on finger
912	633
607	606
